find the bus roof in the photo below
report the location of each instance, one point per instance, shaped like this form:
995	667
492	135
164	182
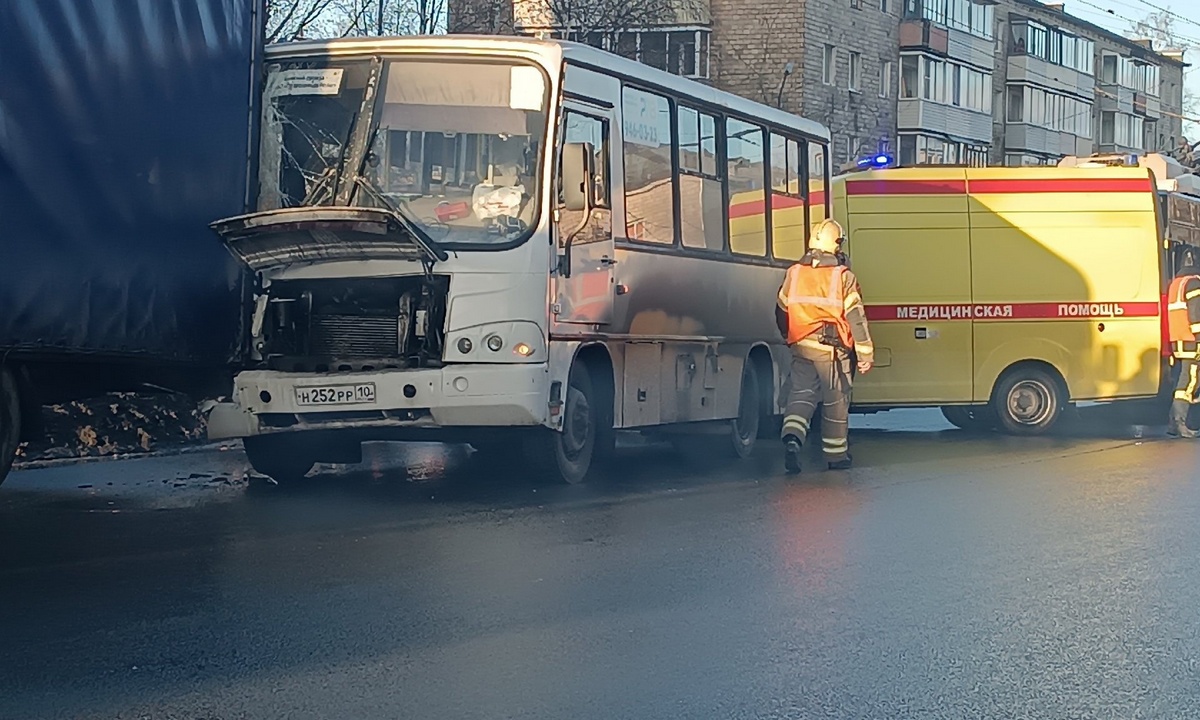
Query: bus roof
553	52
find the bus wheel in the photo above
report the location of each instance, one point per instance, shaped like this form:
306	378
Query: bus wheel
1028	401
567	455
10	421
972	418
744	429
284	459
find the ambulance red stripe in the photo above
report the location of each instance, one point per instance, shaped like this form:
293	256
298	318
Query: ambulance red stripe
906	187
997	186
1012	311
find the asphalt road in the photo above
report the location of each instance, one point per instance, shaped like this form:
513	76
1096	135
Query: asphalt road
946	576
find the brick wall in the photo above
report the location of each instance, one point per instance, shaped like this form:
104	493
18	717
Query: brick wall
754	40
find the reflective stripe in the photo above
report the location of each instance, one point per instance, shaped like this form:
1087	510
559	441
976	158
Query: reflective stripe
835	444
1192	295
852	299
1191	386
796	423
1177	306
1196	328
864	349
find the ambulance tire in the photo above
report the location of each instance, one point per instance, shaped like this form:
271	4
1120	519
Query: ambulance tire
743	430
285	459
1028	400
971	418
10	421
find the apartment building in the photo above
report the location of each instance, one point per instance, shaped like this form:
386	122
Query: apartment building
971	82
834	61
1018	82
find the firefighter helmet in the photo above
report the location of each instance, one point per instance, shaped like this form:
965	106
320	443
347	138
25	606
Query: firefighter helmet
827	236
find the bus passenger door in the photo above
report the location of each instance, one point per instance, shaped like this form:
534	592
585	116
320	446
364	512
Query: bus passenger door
585	290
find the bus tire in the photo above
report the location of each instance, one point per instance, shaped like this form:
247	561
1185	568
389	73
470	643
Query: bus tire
283	458
1028	400
743	430
10	421
567	456
972	418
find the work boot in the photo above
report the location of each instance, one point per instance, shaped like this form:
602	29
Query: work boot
791	454
1177	424
843	464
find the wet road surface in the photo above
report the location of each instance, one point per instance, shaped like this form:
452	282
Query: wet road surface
946	576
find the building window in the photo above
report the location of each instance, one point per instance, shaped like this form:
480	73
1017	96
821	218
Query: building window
682	51
917	149
856	4
828	64
883	6
946	82
855	72
1061	113
885	78
975	18
1053	45
909	76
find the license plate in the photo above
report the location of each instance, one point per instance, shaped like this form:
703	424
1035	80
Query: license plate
359	394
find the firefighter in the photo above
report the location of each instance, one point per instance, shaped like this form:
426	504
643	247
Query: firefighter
820	313
1183	319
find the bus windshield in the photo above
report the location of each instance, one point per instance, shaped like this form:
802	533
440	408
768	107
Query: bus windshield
452	145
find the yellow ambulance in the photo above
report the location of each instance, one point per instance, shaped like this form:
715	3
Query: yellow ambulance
1004	295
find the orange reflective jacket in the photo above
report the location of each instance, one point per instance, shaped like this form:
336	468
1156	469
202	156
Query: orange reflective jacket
1179	323
813	297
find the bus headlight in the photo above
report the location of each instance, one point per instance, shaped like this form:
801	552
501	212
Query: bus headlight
519	341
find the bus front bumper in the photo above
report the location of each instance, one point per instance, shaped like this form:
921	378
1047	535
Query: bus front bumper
266	401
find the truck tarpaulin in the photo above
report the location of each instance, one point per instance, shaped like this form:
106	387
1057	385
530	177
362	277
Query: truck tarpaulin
124	128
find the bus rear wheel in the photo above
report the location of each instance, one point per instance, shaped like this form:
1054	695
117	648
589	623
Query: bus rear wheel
743	430
10	421
1028	401
972	418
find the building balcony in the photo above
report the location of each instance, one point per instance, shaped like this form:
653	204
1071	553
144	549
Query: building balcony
1115	98
1036	71
1147	106
924	35
916	115
1035	139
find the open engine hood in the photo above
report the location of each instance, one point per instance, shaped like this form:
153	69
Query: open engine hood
276	238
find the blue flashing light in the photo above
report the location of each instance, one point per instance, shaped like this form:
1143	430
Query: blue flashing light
880	160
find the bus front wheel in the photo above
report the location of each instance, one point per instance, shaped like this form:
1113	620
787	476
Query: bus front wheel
568	455
284	459
1028	400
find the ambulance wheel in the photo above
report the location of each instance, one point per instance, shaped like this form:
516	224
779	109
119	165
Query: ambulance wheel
567	456
10	421
972	418
1028	400
743	431
284	459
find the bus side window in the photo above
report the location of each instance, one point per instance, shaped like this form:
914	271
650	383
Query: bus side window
593	131
647	130
701	219
747	188
789	214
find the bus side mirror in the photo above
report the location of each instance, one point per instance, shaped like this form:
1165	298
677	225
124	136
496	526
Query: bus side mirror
577	185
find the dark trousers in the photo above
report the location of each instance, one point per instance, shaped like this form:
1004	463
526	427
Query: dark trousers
1187	392
820	375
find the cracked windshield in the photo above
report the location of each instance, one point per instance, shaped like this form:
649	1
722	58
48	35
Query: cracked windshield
452	146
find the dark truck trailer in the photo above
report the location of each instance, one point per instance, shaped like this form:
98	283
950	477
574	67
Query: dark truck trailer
124	131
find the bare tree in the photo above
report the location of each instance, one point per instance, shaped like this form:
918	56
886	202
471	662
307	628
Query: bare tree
293	19
602	16
390	17
1162	28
